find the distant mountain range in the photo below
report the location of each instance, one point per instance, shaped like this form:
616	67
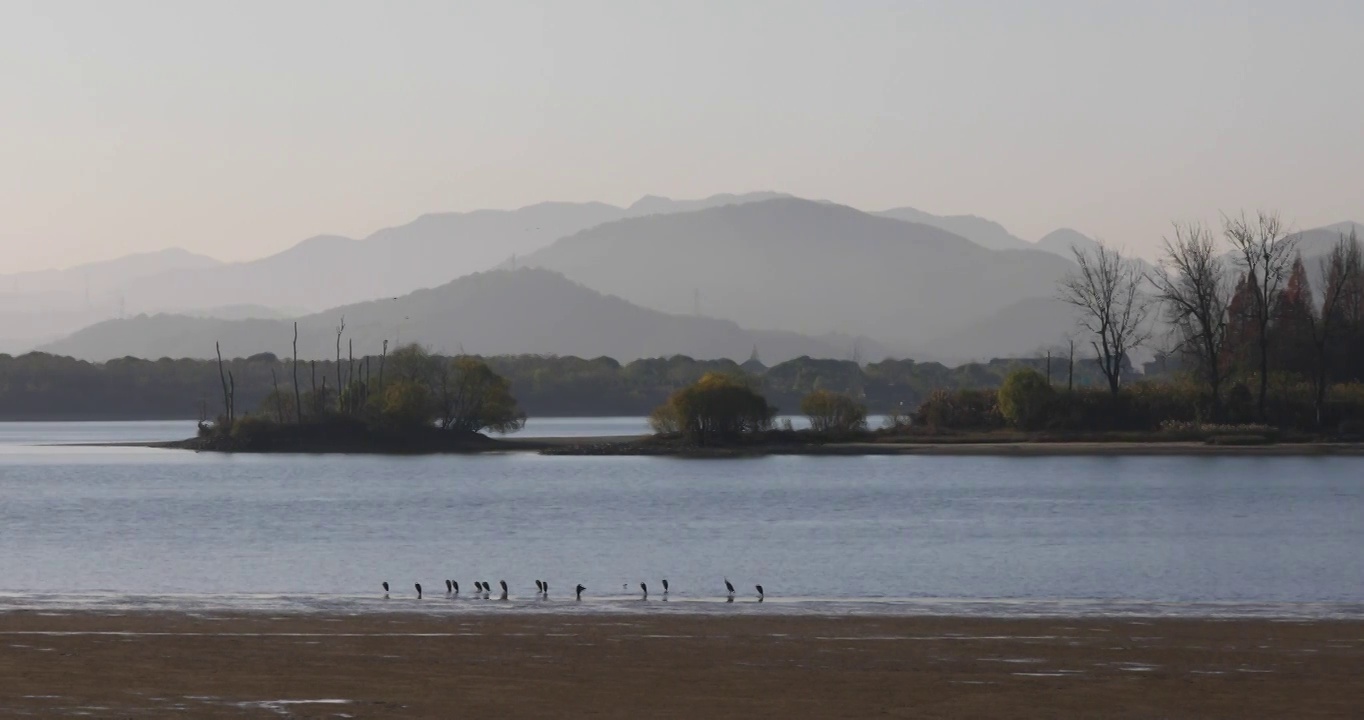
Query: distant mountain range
317	273
500	312
934	287
807	267
328	270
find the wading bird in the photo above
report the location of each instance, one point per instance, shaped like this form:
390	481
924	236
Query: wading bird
447	587
730	587
539	587
419	590
645	589
665	586
580	591
455	584
760	592
385	589
503	583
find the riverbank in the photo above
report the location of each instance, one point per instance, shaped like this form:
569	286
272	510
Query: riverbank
379	666
651	446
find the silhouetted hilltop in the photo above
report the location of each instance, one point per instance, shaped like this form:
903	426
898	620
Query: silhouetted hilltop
985	233
1063	240
517	312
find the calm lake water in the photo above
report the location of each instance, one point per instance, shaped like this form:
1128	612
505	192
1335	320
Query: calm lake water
117	527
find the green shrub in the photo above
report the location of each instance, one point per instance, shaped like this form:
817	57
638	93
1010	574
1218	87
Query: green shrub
252	428
960	410
715	407
1025	399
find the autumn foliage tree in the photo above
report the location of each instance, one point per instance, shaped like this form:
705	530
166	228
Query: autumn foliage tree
716	407
831	412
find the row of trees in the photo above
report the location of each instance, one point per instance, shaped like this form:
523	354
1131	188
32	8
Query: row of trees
39	386
1236	309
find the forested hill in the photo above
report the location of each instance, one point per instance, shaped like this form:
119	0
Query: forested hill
806	267
38	386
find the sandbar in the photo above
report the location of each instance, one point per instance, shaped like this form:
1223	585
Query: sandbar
502	665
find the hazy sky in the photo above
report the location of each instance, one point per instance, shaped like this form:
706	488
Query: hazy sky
239	128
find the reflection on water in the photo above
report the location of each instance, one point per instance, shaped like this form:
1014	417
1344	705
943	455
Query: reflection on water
120	527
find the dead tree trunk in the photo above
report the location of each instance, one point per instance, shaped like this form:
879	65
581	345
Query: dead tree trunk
382	358
298	396
227	399
339	330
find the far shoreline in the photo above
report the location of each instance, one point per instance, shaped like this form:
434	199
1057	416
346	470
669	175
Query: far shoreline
646	446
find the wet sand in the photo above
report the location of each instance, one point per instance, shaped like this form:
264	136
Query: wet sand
497	665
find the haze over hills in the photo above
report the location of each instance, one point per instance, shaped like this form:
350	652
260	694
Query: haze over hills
806	267
37	307
1027	327
493	313
328	270
104	276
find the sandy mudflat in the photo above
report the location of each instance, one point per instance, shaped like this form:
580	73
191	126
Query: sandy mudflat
380	666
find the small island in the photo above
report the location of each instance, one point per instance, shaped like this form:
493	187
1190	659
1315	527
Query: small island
422	403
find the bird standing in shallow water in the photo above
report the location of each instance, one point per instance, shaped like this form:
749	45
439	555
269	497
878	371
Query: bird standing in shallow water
665	586
546	590
455	583
385	589
419	590
539	588
503	583
760	592
730	587
447	587
645	589
580	591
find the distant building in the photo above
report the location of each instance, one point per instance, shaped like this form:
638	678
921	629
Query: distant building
753	365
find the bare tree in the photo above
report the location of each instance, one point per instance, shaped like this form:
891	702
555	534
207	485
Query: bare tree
227	397
339	330
1107	290
1193	288
1343	272
1265	254
382	358
298	395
